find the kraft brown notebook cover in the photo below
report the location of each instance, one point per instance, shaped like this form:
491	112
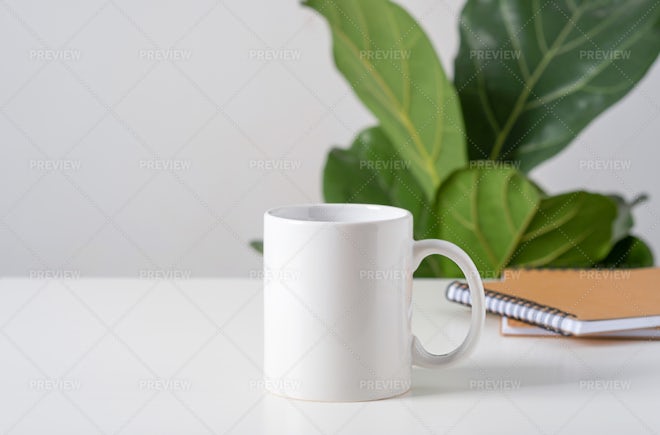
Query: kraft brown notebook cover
574	302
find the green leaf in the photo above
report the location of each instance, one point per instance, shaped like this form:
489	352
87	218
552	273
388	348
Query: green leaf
372	172
569	230
628	253
531	74
485	212
624	220
392	67
257	245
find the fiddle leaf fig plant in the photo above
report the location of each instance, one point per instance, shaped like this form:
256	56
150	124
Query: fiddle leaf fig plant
488	210
393	68
568	230
529	76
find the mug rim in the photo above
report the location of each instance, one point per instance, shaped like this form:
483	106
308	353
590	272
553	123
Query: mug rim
380	213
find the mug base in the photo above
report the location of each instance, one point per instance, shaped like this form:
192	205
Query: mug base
338	400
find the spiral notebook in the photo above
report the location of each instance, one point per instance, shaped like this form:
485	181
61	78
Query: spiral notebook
574	302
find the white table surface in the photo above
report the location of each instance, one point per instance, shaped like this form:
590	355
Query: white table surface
91	356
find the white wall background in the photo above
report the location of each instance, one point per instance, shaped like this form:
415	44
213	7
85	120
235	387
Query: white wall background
136	134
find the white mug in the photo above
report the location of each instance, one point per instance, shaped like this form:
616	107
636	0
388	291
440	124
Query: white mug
337	301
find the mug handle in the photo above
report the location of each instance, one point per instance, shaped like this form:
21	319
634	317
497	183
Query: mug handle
424	248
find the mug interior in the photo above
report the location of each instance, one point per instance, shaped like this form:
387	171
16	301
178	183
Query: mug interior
348	213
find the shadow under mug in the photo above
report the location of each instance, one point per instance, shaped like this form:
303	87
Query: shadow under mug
337	301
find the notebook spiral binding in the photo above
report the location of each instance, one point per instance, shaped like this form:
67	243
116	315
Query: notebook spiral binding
513	307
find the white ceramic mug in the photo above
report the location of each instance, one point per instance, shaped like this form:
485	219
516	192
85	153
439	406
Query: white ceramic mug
337	301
